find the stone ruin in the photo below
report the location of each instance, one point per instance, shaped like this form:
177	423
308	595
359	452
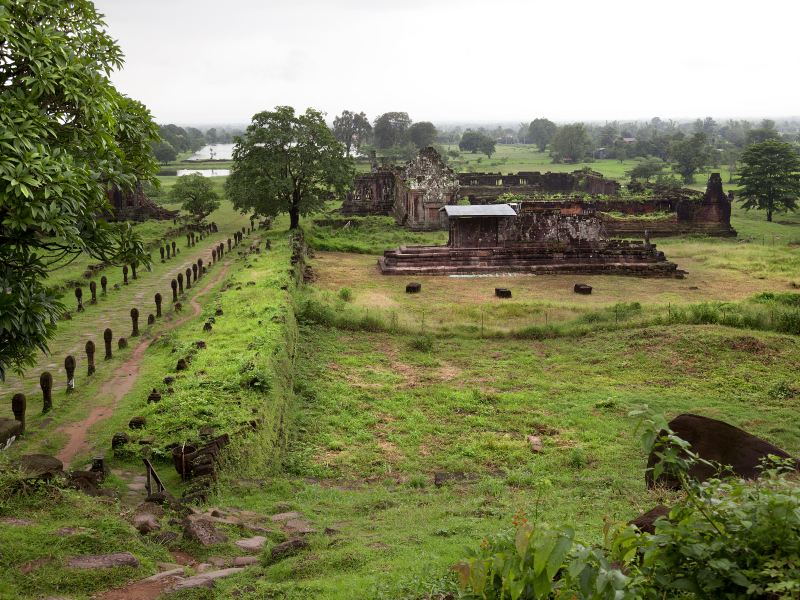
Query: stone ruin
414	195
527	238
135	206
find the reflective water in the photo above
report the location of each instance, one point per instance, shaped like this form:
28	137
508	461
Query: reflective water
217	151
205	172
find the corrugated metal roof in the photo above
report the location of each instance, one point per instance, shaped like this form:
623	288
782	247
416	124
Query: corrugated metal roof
479	210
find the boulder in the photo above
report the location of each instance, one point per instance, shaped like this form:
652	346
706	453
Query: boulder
502	292
287	548
582	288
40	466
9	428
739	452
252	544
203	531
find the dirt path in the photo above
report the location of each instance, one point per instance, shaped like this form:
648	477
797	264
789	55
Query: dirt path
123	379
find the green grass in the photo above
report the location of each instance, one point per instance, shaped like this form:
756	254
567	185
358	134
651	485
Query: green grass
365	235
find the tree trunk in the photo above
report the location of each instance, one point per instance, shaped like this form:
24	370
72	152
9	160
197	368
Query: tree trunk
294	217
769	215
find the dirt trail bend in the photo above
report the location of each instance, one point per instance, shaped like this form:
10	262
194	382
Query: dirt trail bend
123	378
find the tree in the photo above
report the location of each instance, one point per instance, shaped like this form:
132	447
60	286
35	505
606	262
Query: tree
390	129
570	143
351	129
422	134
287	163
690	154
647	168
196	195
164	152
67	136
770	177
212	137
486	146
541	132
766	131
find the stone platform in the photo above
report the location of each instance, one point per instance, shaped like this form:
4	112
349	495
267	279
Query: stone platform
612	257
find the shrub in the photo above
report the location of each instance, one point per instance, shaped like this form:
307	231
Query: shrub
346	294
422	343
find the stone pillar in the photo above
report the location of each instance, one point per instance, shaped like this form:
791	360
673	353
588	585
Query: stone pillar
46	383
167	251
229	244
133	270
135	322
93	290
151	319
125	274
194	273
188	279
180	283
158	304
188	241
107	337
174	285
200	266
104	284
213	255
173	249
19	405
122	343
90	357
161	251
79	298
69	367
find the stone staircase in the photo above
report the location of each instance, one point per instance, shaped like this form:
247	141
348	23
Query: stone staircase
612	257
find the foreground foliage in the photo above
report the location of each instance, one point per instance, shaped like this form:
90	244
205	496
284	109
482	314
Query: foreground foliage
66	135
724	539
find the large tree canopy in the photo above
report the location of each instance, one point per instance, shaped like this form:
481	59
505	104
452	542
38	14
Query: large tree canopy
66	136
570	143
351	129
422	134
391	129
287	163
196	195
770	177
541	132
690	155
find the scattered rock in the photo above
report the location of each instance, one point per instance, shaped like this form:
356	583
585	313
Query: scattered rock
203	531
137	422
287	548
70	531
245	561
200	345
582	288
169	380
165	538
646	521
176	572
32	565
502	292
15	522
253	544
298	527
286	516
206	580
535	443
146	517
103	561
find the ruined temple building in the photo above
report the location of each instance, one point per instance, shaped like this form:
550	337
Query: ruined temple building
414	195
135	206
530	237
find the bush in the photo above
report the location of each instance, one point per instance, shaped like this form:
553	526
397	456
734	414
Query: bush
346	294
422	343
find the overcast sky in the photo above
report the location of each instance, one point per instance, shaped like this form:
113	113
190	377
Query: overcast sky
212	62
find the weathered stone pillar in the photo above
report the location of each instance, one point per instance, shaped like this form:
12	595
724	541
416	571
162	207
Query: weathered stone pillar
104	284
158	304
90	357
194	272
161	251
188	241
168	250
229	244
107	337
93	290
200	266
46	383
133	270
79	298
174	285
125	274
19	405
151	319
69	367
173	249
122	343
188	279
135	322
213	255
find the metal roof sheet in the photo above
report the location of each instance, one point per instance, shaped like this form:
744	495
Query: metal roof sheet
479	210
